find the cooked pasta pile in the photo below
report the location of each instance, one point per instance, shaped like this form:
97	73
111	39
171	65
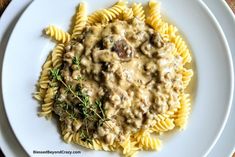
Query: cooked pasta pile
117	78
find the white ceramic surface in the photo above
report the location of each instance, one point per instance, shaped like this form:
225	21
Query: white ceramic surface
226	143
45	51
8	142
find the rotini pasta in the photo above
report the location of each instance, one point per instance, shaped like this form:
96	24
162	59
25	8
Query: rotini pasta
163	124
88	85
127	14
187	74
170	113
57	34
45	74
128	148
66	132
149	143
168	32
80	20
94	18
47	106
57	55
154	22
181	116
68	137
113	12
154	9
44	80
171	32
163	30
40	94
154	18
138	11
182	49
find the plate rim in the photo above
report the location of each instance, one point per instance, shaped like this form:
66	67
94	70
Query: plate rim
14	18
231	79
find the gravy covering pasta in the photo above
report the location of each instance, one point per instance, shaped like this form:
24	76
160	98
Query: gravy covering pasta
117	79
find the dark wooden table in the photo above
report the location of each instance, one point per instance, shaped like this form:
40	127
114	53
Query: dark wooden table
4	3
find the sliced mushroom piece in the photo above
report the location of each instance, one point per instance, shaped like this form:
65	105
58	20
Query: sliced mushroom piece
123	50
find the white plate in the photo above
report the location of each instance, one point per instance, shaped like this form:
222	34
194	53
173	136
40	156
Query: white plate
211	92
8	142
226	143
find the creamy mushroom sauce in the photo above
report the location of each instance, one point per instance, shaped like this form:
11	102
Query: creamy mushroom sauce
130	68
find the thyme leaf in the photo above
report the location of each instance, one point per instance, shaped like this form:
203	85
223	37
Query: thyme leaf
76	61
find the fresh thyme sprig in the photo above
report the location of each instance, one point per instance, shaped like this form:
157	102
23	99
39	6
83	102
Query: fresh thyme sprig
56	75
82	97
89	112
98	103
68	109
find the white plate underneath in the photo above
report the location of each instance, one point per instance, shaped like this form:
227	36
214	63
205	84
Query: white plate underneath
226	143
210	52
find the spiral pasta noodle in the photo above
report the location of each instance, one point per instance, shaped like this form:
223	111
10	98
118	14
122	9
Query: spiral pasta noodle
138	11
187	74
163	124
57	34
57	55
137	136
181	116
171	32
66	132
170	113
80	20
127	14
182	49
129	148
163	30
45	74
94	18
154	18
113	12
47	105
67	136
150	143
40	94
154	9
168	32
44	80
